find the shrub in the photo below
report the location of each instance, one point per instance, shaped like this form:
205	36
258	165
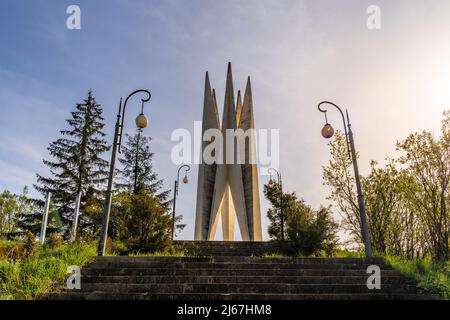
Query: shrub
30	245
142	222
54	240
311	232
11	250
116	247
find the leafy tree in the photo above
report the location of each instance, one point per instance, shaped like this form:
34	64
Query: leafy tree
76	164
394	228
141	221
428	162
8	212
337	175
407	200
384	200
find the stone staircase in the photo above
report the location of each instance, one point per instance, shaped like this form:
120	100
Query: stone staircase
228	248
227	271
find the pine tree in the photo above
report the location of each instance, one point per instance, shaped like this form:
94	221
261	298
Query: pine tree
77	165
136	160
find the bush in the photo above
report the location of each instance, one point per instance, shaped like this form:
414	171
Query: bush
115	247
142	222
30	245
311	232
11	250
54	240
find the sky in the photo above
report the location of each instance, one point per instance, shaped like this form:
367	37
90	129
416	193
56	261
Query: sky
394	80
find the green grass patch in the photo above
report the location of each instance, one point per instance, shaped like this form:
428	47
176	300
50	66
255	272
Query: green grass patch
274	255
348	254
432	276
34	277
158	254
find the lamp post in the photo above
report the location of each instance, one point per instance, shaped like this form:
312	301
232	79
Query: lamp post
141	122
327	132
136	161
175	192
281	200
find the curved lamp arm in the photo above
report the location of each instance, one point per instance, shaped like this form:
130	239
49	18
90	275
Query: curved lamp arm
343	120
125	105
178	173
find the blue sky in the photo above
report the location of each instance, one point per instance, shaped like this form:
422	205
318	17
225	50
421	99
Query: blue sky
394	81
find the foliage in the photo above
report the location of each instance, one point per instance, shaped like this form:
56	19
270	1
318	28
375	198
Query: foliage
432	276
33	278
11	250
76	164
340	253
171	253
282	205
30	245
136	160
428	165
8	210
18	214
407	201
141	221
54	240
29	216
116	248
308	231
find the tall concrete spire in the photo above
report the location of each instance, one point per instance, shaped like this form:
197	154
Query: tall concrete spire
249	168
228	189
229	175
238	107
206	172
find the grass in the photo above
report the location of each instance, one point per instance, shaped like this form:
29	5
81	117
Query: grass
274	255
32	278
348	254
432	276
159	254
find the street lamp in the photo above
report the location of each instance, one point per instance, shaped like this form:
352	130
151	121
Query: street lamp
175	192
141	122
136	160
281	199
327	132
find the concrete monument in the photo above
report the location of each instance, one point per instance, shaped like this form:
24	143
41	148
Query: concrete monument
225	189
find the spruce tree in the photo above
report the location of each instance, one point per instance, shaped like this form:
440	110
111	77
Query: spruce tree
136	160
30	213
77	164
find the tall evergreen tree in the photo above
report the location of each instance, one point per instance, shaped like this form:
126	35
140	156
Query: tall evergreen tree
137	168
77	165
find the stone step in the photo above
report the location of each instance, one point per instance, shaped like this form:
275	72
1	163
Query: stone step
243	244
242	288
170	270
241	279
101	295
228	248
240	259
232	265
